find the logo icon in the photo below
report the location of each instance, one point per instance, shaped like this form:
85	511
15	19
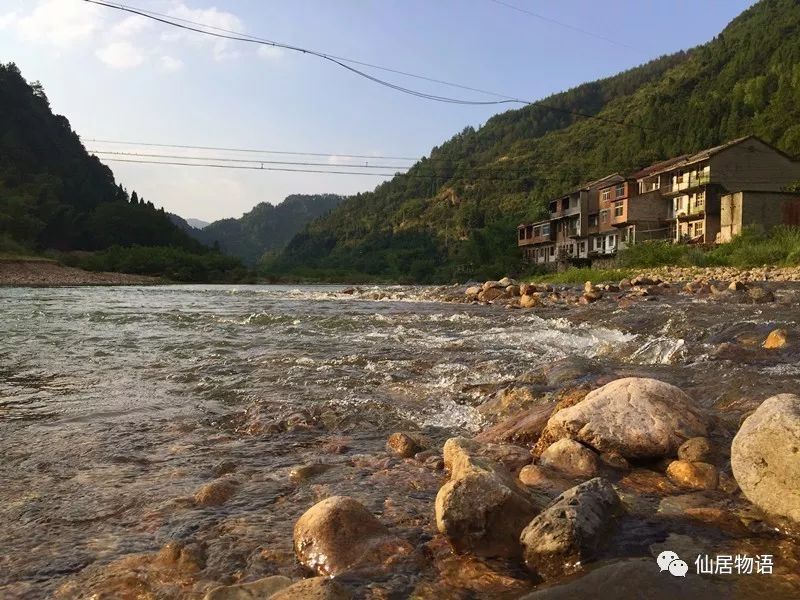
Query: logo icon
670	561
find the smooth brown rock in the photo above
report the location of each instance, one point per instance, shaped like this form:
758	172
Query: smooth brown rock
529	301
405	444
693	475
776	340
481	509
339	534
215	492
571	458
697	449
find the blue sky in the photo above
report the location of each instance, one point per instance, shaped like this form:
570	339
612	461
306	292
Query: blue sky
126	78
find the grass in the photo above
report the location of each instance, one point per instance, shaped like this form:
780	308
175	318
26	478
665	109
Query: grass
576	275
781	247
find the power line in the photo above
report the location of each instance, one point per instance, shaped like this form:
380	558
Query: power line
562	24
341	63
251	150
250	168
240	160
241	38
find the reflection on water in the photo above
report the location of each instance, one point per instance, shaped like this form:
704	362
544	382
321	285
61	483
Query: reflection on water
117	403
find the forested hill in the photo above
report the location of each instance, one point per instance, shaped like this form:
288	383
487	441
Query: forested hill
453	216
267	228
53	195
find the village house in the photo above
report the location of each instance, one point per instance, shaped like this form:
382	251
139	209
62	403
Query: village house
707	197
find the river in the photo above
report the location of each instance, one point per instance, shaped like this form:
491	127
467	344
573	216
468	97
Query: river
117	403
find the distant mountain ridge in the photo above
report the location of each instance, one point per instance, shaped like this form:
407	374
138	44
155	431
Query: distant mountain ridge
454	214
267	228
197	223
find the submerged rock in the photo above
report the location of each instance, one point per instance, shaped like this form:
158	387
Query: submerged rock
314	588
633	579
765	456
339	534
568	533
636	417
216	492
481	509
697	449
776	340
256	590
405	444
571	458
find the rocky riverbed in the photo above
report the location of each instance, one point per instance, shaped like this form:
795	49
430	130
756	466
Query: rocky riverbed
45	273
667	422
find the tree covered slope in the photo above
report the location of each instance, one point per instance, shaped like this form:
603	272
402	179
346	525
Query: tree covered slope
453	216
53	195
267	228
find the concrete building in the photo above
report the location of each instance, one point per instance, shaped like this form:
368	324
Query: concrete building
760	210
700	198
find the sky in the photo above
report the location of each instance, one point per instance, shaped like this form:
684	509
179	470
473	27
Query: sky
122	77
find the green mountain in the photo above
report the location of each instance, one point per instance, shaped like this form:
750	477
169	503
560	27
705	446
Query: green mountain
453	215
267	228
55	196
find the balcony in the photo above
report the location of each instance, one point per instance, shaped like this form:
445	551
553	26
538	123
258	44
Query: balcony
530	235
693	212
688	182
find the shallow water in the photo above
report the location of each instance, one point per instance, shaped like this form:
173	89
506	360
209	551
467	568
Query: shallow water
116	404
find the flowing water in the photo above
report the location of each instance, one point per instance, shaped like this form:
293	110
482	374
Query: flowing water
116	404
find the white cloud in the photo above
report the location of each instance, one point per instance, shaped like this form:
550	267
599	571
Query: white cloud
222	49
121	55
130	26
61	23
270	52
7	19
170	64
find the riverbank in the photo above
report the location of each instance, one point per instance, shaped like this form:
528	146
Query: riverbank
33	272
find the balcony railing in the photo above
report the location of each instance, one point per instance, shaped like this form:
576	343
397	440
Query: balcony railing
692	211
688	182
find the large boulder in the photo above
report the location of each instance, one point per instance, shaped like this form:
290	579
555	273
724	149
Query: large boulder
482	509
339	534
765	456
635	417
567	534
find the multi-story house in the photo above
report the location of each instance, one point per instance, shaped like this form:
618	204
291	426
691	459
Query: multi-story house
696	184
692	198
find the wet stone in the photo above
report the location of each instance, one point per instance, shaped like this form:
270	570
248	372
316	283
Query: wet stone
697	449
405	444
216	492
693	475
255	590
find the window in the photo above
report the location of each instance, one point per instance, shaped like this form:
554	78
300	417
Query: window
612	241
698	229
618	209
594	220
604	216
619	192
679	177
552	250
605	195
522	234
583	247
546	229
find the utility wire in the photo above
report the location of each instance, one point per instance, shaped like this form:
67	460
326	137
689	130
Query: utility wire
317	171
241	160
251	168
341	63
561	24
241	38
253	151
